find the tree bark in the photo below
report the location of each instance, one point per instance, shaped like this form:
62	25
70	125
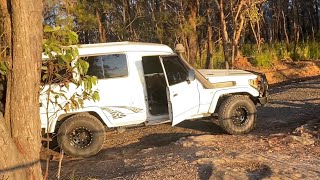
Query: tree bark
225	37
209	63
101	29
238	25
11	164
285	29
236	38
256	36
24	141
295	27
317	15
193	36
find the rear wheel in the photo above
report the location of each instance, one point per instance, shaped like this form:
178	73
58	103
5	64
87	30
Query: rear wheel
237	115
81	135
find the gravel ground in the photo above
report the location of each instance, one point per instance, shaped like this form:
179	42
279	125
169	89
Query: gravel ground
201	150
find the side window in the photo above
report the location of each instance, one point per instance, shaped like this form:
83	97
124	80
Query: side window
151	65
107	66
175	70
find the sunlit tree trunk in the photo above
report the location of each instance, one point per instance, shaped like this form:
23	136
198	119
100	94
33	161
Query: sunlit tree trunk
20	133
225	36
209	63
101	28
193	36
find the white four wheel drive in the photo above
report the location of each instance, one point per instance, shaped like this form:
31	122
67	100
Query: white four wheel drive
148	84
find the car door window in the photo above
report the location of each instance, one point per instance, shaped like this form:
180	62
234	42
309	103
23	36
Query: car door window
176	72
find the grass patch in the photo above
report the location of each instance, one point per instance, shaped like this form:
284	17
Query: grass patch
268	55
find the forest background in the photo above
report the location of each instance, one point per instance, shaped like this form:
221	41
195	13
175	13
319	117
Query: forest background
215	32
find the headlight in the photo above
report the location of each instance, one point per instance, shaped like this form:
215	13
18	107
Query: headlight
254	83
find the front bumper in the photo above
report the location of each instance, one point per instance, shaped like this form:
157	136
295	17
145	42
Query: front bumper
263	88
263	100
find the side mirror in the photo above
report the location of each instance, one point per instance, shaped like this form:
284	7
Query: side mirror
191	75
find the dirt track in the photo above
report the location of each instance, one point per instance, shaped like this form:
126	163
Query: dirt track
201	150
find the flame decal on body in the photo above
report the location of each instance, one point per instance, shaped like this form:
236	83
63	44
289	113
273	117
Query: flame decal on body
117	114
133	109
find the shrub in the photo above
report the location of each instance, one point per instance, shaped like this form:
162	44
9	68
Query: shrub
266	58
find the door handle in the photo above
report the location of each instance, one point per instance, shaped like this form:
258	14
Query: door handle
175	95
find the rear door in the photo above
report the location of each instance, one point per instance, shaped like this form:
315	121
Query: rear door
121	94
183	95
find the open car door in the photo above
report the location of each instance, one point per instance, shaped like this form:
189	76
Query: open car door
182	89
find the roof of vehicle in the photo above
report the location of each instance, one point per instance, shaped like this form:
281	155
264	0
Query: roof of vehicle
118	47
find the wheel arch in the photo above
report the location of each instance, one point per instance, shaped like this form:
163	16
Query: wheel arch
221	95
96	112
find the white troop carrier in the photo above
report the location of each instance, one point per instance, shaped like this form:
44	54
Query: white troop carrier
147	84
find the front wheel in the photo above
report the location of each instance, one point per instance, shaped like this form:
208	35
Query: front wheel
81	135
237	115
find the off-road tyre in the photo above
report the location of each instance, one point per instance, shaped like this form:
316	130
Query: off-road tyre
237	115
81	135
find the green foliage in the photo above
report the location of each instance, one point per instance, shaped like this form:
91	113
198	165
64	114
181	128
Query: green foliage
248	50
3	68
85	14
268	56
306	51
280	51
252	12
314	50
218	61
3	55
63	73
302	51
265	59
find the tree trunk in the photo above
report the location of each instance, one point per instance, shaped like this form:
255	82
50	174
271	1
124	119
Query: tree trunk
101	29
225	37
317	16
295	28
193	37
285	29
256	34
236	38
124	19
25	141
209	63
11	164
238	20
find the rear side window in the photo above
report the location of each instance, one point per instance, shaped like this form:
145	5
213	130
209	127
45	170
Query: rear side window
107	66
